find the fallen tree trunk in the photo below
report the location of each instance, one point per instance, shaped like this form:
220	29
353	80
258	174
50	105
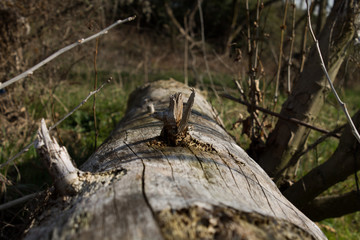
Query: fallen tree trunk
139	186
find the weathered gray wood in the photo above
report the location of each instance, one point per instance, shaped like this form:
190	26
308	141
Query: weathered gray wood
208	188
58	162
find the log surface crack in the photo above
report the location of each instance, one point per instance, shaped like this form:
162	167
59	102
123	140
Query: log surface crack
201	165
144	192
173	178
115	204
266	197
243	173
232	175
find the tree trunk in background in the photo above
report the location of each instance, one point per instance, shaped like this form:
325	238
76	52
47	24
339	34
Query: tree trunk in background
309	92
140	188
321	18
337	168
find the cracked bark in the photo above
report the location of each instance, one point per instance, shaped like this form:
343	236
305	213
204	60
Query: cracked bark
206	188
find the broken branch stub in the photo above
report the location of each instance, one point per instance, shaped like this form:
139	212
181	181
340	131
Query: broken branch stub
58	162
175	119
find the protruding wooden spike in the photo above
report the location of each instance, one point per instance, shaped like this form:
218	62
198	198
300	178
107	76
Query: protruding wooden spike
187	112
175	119
176	108
58	162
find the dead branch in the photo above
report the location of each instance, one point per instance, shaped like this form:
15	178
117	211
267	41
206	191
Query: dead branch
253	51
58	162
332	206
294	161
175	119
292	40
323	67
19	201
283	27
95	87
30	71
25	149
204	50
186	53
177	24
336	169
320	140
294	120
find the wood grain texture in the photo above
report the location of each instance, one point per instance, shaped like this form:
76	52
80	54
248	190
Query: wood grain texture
139	188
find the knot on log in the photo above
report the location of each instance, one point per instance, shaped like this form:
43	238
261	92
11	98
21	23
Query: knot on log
176	119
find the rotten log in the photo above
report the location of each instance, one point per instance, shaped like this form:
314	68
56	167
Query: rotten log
139	185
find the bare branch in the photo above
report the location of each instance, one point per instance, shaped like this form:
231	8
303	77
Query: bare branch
177	24
304	36
320	140
186	52
95	86
18	201
283	27
341	103
336	169
240	89
332	206
25	149
30	71
78	106
295	158
292	39
294	120
204	50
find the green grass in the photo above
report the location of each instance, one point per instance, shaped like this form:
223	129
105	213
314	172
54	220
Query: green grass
76	132
346	227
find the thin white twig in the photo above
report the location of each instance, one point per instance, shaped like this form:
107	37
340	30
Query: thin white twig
30	71
25	149
322	63
78	106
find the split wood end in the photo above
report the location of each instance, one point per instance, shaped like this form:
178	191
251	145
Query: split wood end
176	118
58	162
